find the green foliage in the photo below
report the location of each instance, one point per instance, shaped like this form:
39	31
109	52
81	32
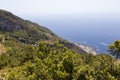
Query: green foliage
55	62
114	49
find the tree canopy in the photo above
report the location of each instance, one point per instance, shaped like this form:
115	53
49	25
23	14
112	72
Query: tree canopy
114	49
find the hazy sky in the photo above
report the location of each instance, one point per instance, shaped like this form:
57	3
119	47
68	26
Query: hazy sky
61	7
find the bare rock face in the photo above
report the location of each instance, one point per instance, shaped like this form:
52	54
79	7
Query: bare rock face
7	26
9	22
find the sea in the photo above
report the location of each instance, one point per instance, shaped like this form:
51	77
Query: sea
97	32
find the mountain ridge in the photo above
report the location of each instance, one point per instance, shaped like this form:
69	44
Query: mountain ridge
25	31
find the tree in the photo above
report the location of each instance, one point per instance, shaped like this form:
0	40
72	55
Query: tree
68	67
114	49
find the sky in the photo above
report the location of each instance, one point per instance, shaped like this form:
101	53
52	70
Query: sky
62	7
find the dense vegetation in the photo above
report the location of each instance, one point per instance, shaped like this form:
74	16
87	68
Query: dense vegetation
31	52
114	49
56	62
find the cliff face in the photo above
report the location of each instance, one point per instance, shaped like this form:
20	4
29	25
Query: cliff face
23	31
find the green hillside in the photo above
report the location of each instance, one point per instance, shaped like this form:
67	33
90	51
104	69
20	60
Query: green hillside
13	28
29	51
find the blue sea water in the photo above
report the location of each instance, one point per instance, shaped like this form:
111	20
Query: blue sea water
96	32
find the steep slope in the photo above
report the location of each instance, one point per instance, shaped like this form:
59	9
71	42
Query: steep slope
23	31
19	28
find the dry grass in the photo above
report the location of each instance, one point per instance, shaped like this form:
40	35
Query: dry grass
2	49
118	62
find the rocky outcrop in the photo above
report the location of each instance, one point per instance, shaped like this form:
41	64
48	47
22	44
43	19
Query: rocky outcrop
87	49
